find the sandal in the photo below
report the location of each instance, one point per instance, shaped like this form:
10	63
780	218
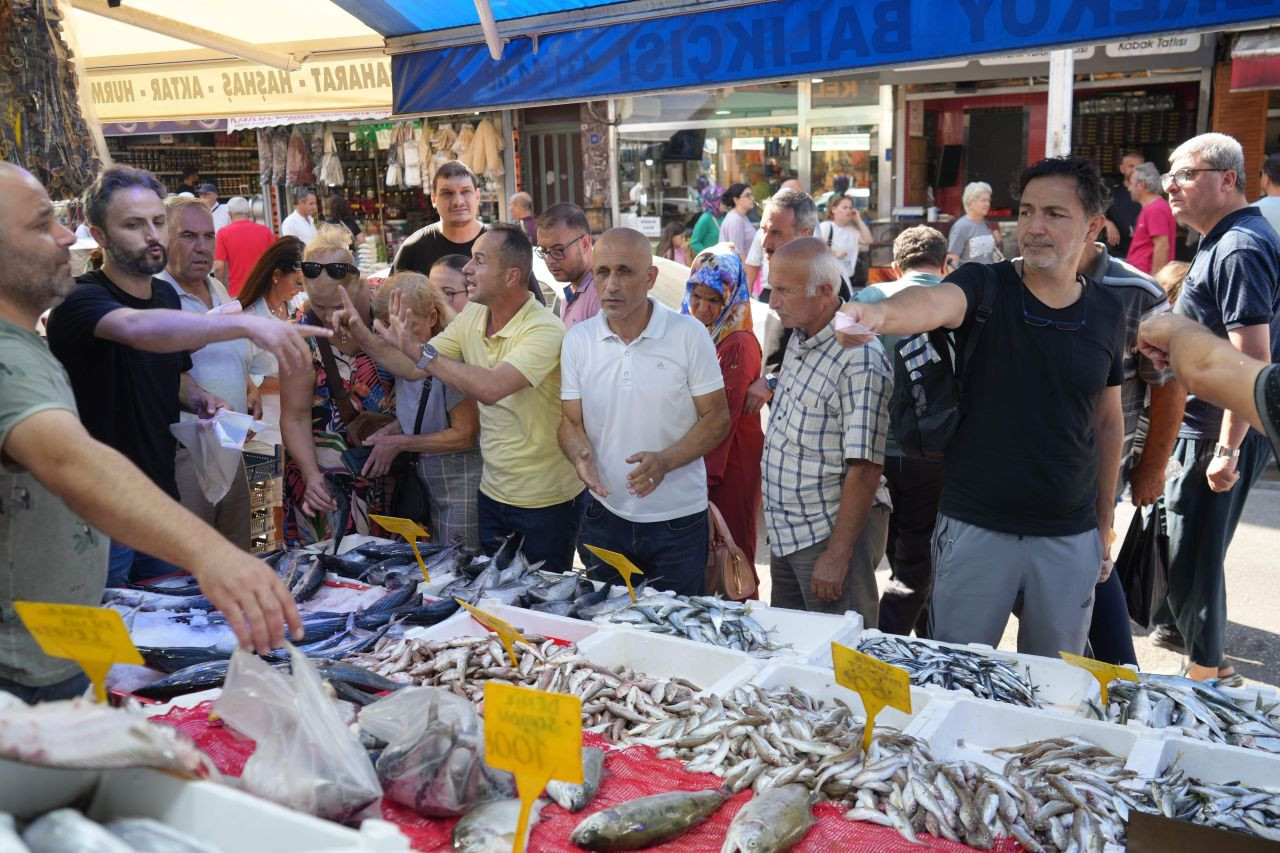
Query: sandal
1231	679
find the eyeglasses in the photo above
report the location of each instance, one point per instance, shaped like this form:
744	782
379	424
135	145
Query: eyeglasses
336	271
557	252
450	295
1040	322
1182	177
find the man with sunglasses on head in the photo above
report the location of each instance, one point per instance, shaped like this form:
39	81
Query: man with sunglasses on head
1029	477
564	242
1233	289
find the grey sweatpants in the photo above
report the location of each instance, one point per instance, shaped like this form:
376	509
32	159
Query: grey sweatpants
980	576
791	574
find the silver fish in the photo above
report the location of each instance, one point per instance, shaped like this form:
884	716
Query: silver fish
771	822
954	669
66	829
705	619
491	827
646	821
574	798
151	836
1199	710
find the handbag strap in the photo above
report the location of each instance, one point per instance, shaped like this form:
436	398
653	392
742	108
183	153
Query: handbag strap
422	405
338	393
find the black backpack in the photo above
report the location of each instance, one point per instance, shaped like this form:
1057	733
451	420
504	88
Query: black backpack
925	409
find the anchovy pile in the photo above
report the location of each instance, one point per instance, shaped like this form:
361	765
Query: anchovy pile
954	669
1195	709
1252	809
703	618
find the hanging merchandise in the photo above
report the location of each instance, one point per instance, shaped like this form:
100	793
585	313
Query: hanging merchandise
442	150
331	164
423	138
463	142
279	155
484	155
393	162
265	177
299	171
41	125
409	156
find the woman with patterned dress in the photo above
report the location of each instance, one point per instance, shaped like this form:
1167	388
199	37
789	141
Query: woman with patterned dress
323	459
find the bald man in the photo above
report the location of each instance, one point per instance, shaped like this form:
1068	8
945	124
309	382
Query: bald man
67	494
824	500
643	402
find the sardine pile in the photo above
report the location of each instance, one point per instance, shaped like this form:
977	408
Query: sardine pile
706	619
1250	809
954	669
1197	710
612	700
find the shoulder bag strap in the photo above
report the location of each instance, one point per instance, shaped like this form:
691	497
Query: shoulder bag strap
340	396
990	282
831	232
422	405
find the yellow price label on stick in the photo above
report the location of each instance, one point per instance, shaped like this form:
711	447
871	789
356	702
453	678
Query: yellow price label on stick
625	567
877	683
410	530
1104	672
507	633
93	637
535	735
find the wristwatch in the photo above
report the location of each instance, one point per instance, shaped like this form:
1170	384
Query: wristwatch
1224	452
428	353
771	382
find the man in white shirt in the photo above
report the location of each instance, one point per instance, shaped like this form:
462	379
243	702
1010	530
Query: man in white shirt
299	224
643	403
1269	204
221	214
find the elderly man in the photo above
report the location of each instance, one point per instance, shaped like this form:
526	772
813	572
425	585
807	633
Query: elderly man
221	368
824	504
239	245
1029	478
564	242
643	403
520	207
1233	288
62	487
1156	231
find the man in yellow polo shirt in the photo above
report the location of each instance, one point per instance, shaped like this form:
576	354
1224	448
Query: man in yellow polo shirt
503	351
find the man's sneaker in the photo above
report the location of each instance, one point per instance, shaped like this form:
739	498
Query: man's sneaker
1169	637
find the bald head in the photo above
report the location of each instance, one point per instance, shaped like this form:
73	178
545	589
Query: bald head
804	278
624	274
791	184
626	240
35	257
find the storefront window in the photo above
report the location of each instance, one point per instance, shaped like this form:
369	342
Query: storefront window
844	155
726	102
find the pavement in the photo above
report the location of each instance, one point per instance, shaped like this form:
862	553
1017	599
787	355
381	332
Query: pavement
1253	590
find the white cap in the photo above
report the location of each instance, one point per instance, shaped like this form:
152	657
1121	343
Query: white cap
238	206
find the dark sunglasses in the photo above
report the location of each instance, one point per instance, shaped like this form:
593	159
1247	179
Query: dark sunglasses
336	271
1040	322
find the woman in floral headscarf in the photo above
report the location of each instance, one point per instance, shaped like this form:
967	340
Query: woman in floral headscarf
717	295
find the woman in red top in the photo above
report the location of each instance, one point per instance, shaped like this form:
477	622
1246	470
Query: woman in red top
717	295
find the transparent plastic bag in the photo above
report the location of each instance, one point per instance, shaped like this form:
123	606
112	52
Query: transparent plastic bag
434	759
306	759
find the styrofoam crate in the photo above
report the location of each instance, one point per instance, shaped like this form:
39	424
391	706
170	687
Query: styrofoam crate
820	683
462	624
967	729
1214	763
219	815
712	668
1060	687
810	634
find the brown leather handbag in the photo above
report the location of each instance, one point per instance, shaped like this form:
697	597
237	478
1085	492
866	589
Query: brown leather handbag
728	572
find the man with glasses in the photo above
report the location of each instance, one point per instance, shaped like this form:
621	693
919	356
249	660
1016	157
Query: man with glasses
1233	289
1029	477
564	242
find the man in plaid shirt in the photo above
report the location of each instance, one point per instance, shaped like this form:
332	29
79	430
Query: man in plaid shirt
825	505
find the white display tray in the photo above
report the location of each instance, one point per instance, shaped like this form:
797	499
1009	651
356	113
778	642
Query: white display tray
820	683
712	668
1213	763
462	624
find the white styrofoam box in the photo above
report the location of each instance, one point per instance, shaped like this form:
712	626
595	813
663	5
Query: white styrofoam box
967	729
219	815
810	634
461	624
820	683
1214	763
1059	686
187	700
714	669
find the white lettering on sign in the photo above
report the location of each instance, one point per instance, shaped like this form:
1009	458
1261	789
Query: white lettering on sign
1029	56
1154	45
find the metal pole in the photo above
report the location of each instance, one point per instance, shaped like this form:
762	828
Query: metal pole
901	146
1057	139
615	206
884	197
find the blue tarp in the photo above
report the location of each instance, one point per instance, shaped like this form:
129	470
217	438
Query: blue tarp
784	38
406	17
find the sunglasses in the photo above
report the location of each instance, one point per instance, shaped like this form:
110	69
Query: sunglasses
1062	326
336	271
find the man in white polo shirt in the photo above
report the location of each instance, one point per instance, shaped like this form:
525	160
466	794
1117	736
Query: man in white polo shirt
643	403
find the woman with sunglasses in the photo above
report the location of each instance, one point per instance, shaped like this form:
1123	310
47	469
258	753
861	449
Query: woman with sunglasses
327	411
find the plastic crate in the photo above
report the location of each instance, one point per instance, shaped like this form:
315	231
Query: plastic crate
715	670
260	466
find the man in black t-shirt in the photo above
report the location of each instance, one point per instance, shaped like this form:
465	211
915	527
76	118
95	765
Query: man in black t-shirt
1122	215
1029	478
125	342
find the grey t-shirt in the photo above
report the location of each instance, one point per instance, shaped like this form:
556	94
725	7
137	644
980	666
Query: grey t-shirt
47	552
442	400
971	241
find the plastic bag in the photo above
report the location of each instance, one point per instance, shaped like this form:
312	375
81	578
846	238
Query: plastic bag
1143	566
216	445
306	758
434	759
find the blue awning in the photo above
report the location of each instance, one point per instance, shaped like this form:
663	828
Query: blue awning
584	49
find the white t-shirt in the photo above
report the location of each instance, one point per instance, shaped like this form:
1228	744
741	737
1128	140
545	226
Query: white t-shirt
756	258
842	239
1270	207
221	217
297	225
639	397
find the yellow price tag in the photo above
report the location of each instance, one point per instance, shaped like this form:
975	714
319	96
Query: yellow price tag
410	530
625	567
877	683
93	637
508	634
537	736
1104	672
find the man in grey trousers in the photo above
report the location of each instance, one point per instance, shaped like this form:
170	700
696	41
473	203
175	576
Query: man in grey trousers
1029	477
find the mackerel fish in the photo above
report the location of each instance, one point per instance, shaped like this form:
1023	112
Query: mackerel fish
646	821
954	669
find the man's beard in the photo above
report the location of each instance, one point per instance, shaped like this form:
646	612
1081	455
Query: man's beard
136	262
34	294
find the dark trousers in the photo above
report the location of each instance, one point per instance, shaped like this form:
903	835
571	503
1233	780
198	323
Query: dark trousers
549	532
72	687
915	486
124	564
1110	638
1201	525
672	554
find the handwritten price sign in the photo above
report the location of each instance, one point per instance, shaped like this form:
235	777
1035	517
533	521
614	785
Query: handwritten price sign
625	567
877	683
410	530
1104	672
535	735
93	637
